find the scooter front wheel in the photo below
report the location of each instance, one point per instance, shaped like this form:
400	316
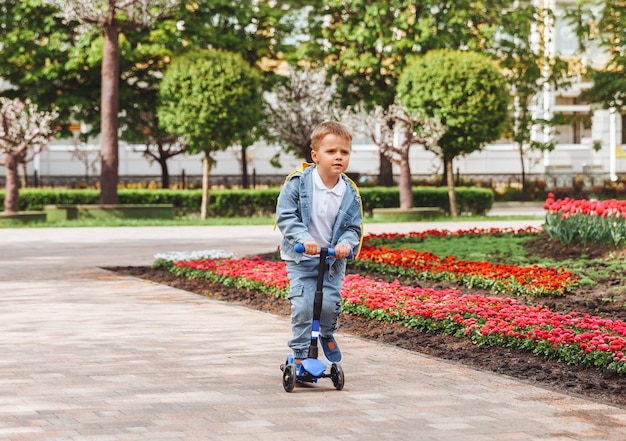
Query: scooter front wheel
289	377
336	374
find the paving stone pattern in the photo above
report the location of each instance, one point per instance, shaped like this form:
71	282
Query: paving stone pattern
87	354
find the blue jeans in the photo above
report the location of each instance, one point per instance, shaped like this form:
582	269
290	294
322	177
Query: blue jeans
303	284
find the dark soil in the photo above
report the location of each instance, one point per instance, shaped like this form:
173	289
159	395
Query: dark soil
602	386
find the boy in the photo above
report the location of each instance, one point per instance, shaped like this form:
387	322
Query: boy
319	206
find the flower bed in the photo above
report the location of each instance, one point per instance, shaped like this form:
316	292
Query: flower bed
502	278
586	221
574	338
387	238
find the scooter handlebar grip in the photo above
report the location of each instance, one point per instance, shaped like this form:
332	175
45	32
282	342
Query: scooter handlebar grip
299	248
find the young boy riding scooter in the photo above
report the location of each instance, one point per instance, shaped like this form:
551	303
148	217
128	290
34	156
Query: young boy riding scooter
319	206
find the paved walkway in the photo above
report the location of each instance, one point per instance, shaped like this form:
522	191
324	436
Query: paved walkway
87	354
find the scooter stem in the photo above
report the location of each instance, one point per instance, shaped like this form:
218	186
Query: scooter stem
317	304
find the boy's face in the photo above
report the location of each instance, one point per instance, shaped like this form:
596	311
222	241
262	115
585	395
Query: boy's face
333	155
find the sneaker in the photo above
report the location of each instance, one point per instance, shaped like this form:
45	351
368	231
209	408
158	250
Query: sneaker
331	349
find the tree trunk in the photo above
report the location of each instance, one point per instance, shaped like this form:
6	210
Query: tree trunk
245	182
385	173
24	175
306	153
451	192
406	193
110	107
165	173
11	197
161	158
206	184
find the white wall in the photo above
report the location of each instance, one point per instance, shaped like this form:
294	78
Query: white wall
58	160
494	159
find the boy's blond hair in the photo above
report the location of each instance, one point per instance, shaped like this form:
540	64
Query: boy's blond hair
329	128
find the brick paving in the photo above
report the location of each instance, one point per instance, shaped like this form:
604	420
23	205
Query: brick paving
88	354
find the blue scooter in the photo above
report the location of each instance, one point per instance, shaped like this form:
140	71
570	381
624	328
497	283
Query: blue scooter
311	369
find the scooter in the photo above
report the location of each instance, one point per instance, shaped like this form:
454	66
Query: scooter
312	369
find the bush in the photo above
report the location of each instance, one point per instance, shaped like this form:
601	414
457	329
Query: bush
233	203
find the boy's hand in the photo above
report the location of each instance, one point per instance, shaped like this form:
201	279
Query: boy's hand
311	247
342	250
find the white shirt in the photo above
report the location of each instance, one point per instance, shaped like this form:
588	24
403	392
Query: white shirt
326	202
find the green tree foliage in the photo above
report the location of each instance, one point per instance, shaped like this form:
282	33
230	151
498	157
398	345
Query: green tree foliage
51	61
528	67
213	99
463	90
603	23
109	17
260	31
45	60
366	43
144	56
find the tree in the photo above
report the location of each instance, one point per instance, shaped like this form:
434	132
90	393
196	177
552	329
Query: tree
213	99
22	127
395	130
64	60
111	16
140	126
64	68
601	26
463	90
295	106
258	31
603	22
530	68
262	31
44	59
365	44
160	147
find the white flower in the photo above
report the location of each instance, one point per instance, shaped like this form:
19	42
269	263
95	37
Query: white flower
194	255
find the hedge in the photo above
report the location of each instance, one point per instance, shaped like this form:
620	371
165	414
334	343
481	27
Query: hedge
232	203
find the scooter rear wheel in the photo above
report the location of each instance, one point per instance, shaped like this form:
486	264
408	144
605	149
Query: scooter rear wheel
336	374
289	377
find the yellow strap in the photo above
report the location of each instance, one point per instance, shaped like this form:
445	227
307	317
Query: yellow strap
300	169
359	195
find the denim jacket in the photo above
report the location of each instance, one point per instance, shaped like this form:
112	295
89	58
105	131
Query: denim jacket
293	214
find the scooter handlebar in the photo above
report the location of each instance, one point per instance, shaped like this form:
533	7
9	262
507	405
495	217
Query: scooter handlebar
299	248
